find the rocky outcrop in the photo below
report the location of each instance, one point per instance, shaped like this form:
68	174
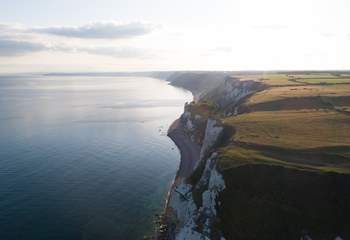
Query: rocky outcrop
193	124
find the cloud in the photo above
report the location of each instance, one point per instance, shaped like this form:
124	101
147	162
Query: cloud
10	47
120	52
6	27
100	30
17	40
110	51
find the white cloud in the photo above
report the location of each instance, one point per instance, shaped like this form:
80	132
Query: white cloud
12	43
100	30
11	47
117	52
16	40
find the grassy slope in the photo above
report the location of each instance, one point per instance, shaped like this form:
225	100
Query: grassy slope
301	129
297	126
281	93
283	79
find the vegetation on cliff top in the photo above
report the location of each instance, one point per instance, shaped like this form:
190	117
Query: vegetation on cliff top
295	78
305	127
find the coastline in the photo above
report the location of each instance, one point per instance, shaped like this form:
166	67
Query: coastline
189	156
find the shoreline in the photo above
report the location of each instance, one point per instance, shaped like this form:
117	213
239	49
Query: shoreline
189	156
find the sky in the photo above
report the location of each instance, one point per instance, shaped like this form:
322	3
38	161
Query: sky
135	35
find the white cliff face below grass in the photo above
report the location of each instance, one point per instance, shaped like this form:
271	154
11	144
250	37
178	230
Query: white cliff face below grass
216	184
185	210
196	222
187	214
227	95
181	201
213	132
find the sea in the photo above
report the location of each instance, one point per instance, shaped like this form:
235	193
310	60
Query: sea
85	157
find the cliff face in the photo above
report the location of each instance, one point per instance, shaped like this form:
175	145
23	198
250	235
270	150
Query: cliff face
228	95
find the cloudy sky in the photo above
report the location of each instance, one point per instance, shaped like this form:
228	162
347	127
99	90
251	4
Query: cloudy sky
128	35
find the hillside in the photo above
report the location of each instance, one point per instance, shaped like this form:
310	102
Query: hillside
282	147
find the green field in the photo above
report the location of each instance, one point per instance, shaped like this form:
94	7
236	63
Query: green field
299	121
292	129
323	80
282	93
291	79
270	79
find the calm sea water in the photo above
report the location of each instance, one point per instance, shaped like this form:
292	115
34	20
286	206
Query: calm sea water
85	157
